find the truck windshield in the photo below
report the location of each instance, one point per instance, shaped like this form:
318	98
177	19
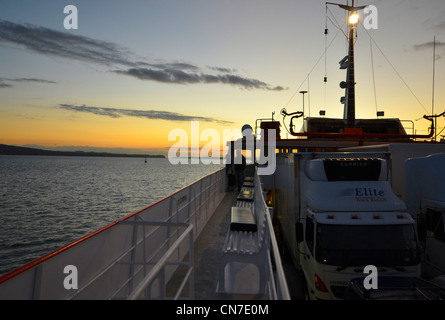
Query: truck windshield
357	245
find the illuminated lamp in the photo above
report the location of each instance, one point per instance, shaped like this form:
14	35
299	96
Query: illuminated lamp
353	18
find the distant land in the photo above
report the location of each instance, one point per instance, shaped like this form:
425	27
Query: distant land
14	150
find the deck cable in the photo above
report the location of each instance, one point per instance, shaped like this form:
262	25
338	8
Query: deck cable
315	65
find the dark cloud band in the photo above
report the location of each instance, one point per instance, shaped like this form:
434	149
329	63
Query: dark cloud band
440	47
61	44
70	46
181	77
148	114
4	82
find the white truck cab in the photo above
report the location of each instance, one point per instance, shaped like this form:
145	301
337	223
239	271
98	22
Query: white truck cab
346	217
338	245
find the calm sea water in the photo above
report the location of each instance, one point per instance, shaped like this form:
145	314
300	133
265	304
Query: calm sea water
47	202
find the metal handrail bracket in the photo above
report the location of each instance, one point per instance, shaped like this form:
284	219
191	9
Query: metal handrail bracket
163	261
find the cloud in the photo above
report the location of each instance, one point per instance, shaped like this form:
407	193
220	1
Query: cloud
71	46
148	114
5	85
224	70
61	44
30	80
170	65
439	26
169	75
164	75
429	46
435	22
8	85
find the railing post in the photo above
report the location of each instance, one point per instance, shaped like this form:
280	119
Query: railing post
37	282
208	198
189	204
133	256
191	266
161	279
158	271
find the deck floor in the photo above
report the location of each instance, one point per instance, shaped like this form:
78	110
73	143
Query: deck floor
207	251
208	247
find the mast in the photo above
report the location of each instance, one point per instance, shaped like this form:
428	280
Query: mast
348	62
349	112
368	130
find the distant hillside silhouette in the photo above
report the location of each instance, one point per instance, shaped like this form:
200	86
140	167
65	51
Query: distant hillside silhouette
14	150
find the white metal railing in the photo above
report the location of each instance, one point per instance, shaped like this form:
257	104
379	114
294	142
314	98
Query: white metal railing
114	261
138	263
158	271
276	285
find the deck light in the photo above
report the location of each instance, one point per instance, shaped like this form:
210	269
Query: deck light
353	18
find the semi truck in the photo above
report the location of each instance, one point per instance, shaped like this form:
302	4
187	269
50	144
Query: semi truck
337	214
418	178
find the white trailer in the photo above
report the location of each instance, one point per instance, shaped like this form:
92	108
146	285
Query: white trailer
425	200
338	214
399	153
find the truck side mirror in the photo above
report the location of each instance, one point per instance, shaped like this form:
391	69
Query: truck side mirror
299	231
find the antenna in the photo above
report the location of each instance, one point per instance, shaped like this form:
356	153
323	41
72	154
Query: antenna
434	74
303	92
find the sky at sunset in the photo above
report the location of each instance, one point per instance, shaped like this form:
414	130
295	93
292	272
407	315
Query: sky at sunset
135	70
